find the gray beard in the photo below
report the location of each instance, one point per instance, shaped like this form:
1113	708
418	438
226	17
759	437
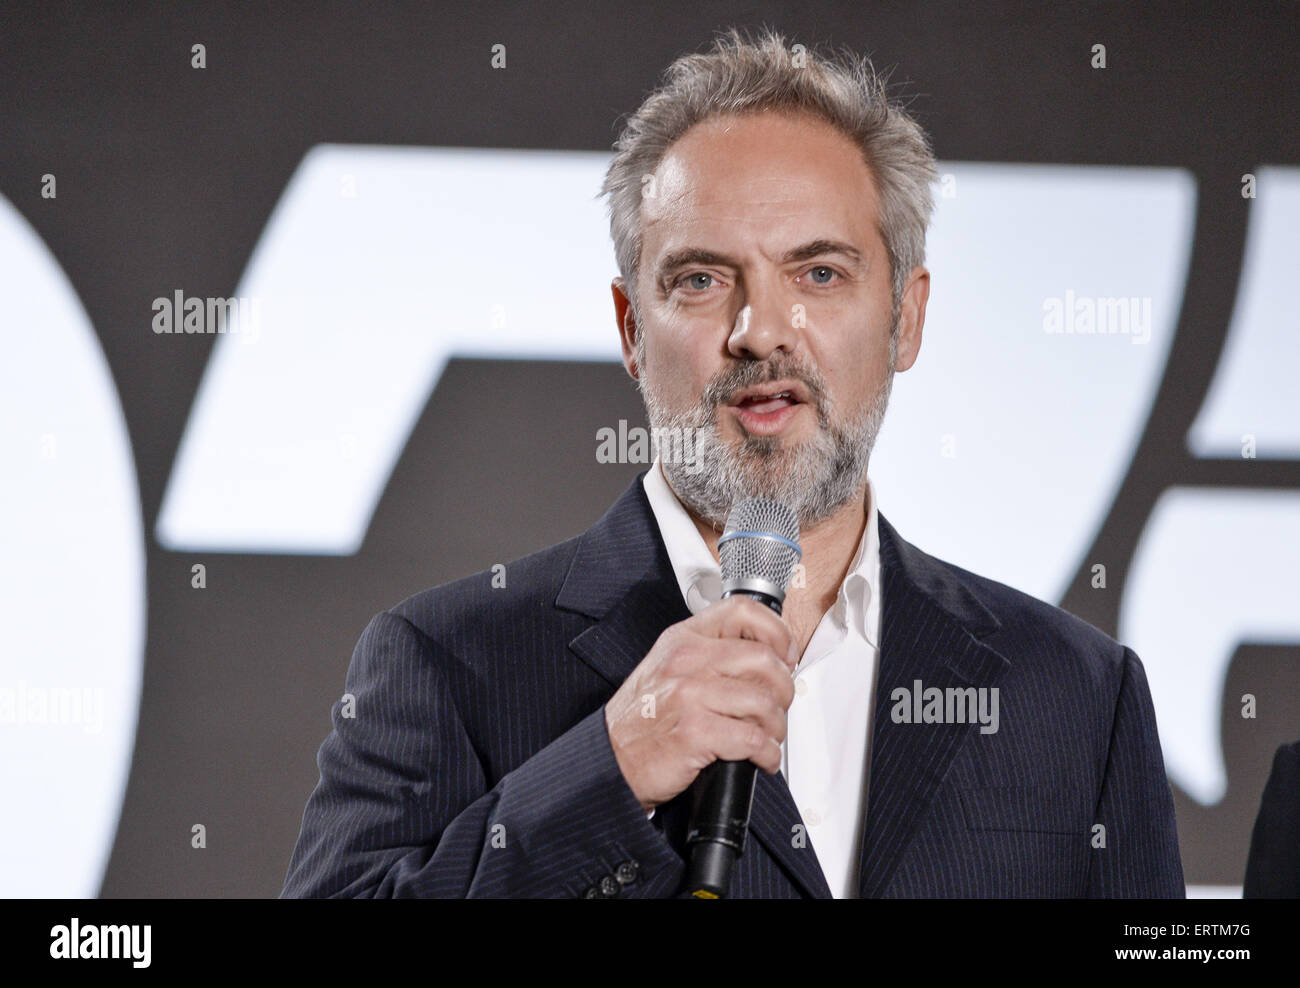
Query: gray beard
814	478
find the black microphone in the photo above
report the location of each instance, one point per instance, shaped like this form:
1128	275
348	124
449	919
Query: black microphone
758	552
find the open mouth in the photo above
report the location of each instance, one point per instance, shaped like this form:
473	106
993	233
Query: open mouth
763	404
767	409
771	397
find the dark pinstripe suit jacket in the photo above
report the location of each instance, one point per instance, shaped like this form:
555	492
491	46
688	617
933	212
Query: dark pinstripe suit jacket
477	762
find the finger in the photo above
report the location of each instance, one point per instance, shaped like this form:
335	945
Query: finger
739	660
743	700
731	740
744	617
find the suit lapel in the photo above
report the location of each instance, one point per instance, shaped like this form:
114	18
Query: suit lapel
930	626
622	577
773	821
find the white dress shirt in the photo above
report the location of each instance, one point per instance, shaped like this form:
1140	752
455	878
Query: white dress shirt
824	757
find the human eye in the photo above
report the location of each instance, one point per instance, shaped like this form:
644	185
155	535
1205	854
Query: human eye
698	281
823	274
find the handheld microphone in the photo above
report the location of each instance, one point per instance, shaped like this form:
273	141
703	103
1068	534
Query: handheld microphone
758	552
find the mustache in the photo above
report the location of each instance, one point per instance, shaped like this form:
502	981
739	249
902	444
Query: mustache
727	383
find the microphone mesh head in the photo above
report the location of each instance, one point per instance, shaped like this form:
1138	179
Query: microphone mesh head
747	557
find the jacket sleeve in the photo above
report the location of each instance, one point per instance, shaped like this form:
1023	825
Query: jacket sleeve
1140	858
403	808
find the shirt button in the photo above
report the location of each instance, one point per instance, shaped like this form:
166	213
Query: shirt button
801	686
811	817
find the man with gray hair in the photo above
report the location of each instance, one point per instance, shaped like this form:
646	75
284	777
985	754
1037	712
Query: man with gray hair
769	209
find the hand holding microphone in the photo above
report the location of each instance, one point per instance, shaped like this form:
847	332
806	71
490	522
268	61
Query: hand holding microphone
713	692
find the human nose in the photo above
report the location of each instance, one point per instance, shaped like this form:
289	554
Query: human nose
762	326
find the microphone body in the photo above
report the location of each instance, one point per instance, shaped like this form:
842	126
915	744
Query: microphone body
759	551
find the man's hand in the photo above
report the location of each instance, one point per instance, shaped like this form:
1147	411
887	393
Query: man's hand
714	687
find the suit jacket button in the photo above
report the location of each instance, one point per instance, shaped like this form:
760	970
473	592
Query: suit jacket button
609	887
591	892
626	872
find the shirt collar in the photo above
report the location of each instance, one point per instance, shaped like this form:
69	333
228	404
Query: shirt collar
700	579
